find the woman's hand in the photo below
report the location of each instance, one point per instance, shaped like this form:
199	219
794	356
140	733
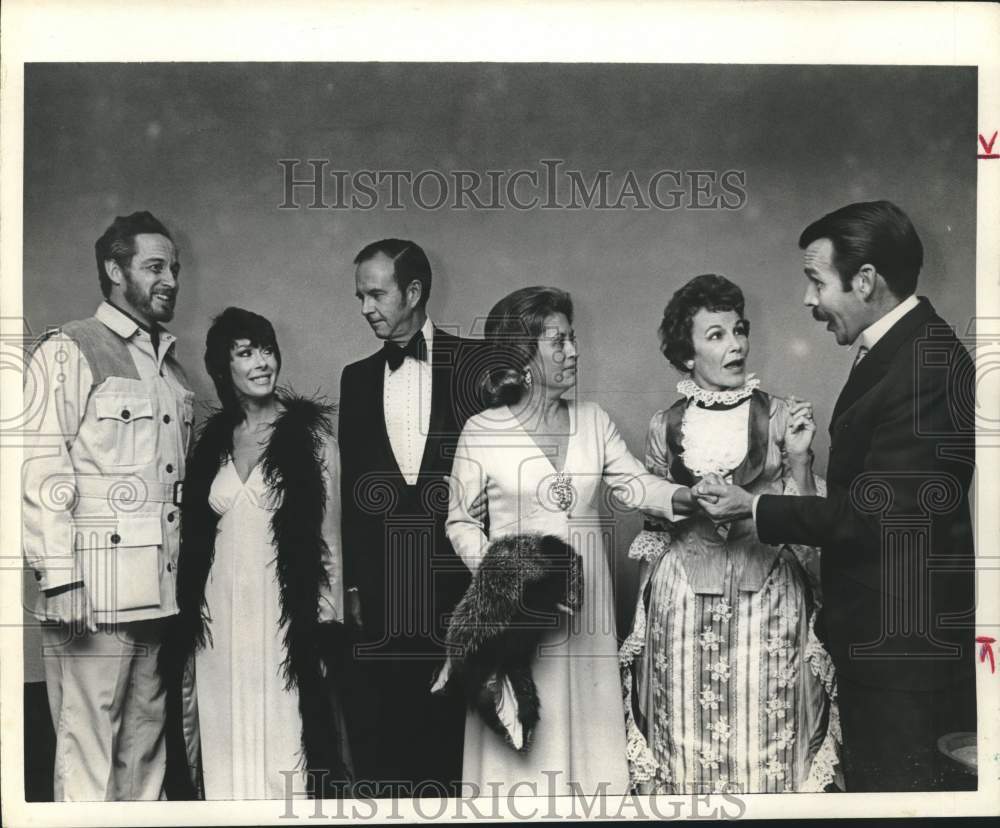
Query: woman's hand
799	430
441	680
684	502
723	502
480	506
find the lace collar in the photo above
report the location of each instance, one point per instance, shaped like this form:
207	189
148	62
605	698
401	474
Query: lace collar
731	396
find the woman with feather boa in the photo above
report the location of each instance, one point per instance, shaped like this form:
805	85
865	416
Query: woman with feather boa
249	660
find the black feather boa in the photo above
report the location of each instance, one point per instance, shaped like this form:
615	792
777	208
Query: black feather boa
292	466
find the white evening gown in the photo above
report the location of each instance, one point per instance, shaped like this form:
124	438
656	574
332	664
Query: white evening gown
579	743
250	725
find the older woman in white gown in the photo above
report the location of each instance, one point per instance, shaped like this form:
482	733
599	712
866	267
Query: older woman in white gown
542	458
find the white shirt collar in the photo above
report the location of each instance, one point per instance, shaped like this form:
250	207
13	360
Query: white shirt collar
125	326
121	323
880	327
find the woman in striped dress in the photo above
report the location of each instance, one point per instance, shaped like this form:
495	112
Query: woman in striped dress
726	687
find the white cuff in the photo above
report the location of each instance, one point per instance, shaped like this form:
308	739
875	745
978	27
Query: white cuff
753	509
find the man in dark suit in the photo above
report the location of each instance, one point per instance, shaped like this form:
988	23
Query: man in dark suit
401	411
895	531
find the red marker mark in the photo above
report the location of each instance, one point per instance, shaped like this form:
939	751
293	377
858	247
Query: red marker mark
986	650
988	147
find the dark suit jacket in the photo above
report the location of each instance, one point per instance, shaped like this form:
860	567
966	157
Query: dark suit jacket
395	549
895	531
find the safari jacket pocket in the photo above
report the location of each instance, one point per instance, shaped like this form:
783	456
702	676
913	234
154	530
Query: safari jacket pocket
127	427
121	563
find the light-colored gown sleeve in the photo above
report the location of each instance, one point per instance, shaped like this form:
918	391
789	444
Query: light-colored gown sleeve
634	486
468	479
331	597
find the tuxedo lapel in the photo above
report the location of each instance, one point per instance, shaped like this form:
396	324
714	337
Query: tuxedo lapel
375	397
442	366
876	363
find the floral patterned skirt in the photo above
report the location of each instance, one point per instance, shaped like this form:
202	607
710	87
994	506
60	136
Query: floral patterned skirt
728	692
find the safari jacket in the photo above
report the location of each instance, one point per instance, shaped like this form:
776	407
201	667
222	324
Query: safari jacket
110	419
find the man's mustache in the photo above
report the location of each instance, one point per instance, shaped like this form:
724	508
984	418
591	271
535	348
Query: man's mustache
819	316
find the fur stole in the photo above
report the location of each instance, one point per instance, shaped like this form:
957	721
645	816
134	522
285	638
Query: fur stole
292	465
496	627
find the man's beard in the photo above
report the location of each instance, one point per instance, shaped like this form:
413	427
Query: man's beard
143	302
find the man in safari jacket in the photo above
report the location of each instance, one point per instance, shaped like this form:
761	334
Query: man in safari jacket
102	487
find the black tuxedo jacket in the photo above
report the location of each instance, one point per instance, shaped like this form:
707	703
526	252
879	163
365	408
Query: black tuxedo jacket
396	552
895	531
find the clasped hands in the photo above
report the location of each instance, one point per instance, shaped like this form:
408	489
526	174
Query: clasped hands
722	501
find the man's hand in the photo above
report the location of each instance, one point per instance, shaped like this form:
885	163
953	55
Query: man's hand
71	607
722	501
354	609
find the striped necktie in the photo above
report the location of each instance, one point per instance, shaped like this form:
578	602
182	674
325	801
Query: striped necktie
861	354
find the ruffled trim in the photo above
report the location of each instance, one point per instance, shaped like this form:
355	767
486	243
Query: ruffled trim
792	488
824	768
715	441
642	765
689	388
636	640
808	556
649	545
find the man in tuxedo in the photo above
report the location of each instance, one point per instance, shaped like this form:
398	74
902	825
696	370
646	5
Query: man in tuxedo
895	531
401	411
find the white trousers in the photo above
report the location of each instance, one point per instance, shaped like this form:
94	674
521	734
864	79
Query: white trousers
108	711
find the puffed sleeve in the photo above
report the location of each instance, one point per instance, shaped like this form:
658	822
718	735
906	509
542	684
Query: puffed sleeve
331	597
468	479
657	460
657	457
634	486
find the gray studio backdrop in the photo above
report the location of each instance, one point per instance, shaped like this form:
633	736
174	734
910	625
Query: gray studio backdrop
200	145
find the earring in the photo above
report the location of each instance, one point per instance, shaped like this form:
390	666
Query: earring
527	377
690	364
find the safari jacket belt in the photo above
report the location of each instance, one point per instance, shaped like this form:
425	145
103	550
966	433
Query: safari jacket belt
129	490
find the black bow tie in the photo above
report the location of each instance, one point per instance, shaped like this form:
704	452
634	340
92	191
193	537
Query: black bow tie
416	348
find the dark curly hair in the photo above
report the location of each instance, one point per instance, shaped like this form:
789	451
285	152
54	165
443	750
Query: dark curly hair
229	326
513	327
709	291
